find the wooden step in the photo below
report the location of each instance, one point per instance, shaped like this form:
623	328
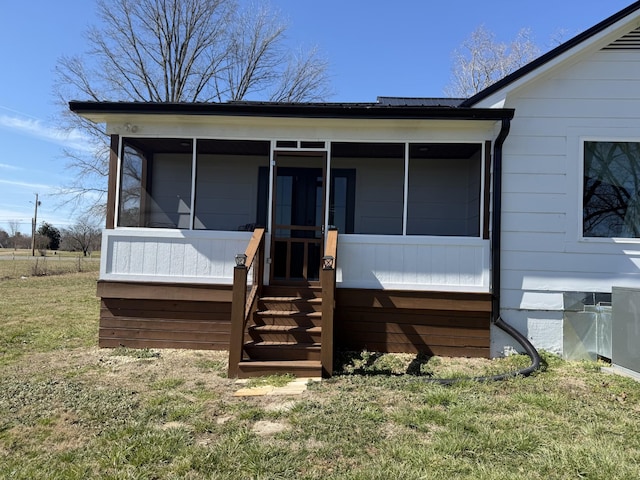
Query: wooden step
282	351
291	291
299	368
286	333
297	319
288	313
293	304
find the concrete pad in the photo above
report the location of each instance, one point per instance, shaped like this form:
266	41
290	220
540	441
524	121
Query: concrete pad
288	390
295	387
624	372
254	392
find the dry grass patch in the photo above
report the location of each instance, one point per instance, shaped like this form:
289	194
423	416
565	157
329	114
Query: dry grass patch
70	410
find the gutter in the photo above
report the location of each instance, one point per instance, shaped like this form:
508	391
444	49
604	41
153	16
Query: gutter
290	110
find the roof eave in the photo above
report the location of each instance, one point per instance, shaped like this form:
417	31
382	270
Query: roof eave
292	110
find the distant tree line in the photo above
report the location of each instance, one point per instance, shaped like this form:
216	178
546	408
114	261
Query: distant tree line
83	236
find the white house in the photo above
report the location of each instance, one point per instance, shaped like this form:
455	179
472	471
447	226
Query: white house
449	214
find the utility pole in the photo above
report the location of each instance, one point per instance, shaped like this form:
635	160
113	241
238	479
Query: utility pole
34	221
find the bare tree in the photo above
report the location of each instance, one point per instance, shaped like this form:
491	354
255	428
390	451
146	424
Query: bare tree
481	61
14	226
4	239
179	51
81	236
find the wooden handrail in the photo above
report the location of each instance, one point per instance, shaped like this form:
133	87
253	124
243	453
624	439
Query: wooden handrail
328	281
254	245
242	305
331	248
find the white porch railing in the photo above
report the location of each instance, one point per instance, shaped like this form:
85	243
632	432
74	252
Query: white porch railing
414	263
366	261
181	256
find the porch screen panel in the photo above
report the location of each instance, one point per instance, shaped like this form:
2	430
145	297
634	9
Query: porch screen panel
369	187
155	187
230	192
444	190
132	170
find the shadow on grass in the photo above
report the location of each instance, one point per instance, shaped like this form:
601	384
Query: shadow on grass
434	368
377	363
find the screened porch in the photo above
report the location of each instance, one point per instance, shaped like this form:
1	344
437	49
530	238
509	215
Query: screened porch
409	215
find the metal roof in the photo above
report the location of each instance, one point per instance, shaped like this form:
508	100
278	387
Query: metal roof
420	102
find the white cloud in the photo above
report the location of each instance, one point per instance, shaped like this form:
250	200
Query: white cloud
4	166
32	186
36	128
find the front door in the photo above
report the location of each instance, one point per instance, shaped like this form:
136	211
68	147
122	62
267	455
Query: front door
297	241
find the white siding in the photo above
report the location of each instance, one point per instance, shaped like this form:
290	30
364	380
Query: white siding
543	252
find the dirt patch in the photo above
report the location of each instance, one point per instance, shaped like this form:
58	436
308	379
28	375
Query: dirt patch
265	428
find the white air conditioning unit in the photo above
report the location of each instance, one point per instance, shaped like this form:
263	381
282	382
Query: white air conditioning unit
625	335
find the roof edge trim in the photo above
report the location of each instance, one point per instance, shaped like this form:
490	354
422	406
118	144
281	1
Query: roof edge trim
295	110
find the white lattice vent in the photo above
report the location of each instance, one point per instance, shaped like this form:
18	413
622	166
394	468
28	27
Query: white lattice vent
630	41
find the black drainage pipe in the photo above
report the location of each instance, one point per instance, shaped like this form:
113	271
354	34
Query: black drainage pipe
525	372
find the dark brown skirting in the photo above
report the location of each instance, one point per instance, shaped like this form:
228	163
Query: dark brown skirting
434	323
146	315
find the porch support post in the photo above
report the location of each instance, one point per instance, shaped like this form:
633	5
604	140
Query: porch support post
113	179
405	193
327	188
194	179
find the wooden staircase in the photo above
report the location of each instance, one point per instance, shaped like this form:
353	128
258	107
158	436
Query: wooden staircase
281	329
284	335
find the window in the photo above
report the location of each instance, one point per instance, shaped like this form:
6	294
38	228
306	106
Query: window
611	189
342	199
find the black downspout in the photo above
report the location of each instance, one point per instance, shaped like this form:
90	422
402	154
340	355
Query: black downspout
496	268
496	218
496	229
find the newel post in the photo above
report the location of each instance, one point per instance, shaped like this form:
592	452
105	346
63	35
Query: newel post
328	281
238	299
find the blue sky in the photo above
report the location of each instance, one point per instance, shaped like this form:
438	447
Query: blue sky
374	47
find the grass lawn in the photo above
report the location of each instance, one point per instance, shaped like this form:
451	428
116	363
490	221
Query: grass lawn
19	263
69	410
